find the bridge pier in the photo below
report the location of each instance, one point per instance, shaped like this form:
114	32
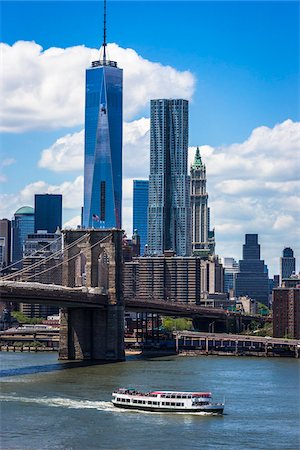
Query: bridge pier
90	333
94	333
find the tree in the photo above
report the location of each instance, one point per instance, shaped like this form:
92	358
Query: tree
179	324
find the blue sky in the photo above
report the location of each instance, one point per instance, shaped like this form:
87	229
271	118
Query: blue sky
244	60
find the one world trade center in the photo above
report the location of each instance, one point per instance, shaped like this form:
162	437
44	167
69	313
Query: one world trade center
103	143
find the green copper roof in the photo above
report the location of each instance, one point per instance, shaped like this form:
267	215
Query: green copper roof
25	210
197	161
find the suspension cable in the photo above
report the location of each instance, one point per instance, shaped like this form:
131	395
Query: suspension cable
42	261
64	262
29	256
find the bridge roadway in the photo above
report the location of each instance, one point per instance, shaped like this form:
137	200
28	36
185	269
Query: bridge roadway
65	297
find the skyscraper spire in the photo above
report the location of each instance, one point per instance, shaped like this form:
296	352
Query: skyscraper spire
197	161
104	32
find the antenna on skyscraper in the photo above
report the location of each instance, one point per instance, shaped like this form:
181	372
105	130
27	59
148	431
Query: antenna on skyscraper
104	33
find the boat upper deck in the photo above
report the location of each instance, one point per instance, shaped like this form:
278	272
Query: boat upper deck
163	394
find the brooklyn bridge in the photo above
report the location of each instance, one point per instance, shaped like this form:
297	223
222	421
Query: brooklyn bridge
92	307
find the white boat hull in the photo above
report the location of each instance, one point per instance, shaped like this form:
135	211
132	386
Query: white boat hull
209	409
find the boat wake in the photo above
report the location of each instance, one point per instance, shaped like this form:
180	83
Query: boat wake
61	402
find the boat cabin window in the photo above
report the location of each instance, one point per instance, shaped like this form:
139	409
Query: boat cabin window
134	401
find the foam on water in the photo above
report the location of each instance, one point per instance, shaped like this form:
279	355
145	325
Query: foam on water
84	404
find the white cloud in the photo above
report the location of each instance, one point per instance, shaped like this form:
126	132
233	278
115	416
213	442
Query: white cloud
254	187
72	192
284	222
66	154
45	89
72	223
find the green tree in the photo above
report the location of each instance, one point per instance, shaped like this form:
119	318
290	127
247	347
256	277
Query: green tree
21	318
178	324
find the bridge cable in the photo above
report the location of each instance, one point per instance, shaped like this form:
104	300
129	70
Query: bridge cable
64	262
42	261
29	256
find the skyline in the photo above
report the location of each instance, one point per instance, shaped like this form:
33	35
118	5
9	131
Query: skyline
230	96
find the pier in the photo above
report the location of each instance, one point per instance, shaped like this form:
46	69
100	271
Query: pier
197	343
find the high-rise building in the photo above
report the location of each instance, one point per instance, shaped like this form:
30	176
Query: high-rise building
103	143
286	312
287	263
22	225
203	242
169	184
48	212
140	211
231	268
5	242
173	278
252	279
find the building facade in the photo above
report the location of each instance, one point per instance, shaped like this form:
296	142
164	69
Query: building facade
203	242
5	242
231	268
103	146
252	279
22	226
48	212
173	278
169	184
287	263
286	312
140	211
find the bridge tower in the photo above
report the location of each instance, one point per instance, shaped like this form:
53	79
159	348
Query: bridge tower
94	263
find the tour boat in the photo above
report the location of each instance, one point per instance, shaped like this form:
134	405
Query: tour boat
166	401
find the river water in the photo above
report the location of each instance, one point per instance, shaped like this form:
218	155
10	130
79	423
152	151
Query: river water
51	405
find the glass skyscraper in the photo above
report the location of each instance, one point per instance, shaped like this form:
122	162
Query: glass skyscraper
252	279
103	146
287	263
169	183
140	210
48	212
22	225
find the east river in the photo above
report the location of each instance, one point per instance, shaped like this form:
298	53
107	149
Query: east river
48	405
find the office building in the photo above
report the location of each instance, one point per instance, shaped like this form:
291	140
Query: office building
174	278
287	263
140	211
22	226
286	312
231	268
48	212
203	241
103	144
252	279
169	184
5	242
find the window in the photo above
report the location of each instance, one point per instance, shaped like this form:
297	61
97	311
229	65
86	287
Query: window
134	401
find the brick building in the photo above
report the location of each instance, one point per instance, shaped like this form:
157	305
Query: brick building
173	278
286	312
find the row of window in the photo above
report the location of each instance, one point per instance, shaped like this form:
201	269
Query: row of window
149	402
